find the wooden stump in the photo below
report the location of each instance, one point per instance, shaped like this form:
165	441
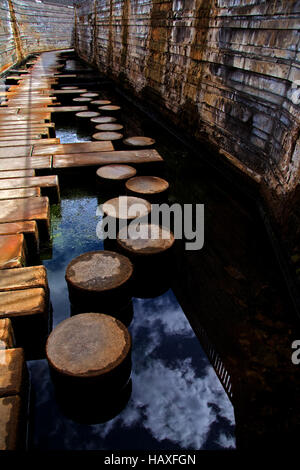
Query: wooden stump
84	118
89	356
99	281
151	187
94	104
107	136
149	247
139	141
89	95
109	127
80	99
69	88
112	177
103	119
126	208
109	109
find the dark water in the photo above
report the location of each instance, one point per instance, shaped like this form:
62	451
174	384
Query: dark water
177	401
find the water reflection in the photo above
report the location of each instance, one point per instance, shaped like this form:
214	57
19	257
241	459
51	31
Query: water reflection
177	401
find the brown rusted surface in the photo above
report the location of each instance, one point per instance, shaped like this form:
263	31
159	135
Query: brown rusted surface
87	114
98	271
109	127
106	158
10	416
16	174
103	119
149	239
6	334
147	185
12	367
139	141
116	172
109	108
126	207
88	345
23	278
21	163
107	136
12	250
19	193
78	147
20	303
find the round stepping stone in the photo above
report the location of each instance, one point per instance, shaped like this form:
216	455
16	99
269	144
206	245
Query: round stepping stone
110	108
82	100
89	95
150	239
126	207
88	345
103	119
87	114
100	102
109	127
69	88
139	141
98	280
107	136
116	172
147	185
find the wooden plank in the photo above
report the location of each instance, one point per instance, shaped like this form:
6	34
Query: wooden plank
22	163
6	330
12	250
22	143
48	184
19	303
106	158
19	151
19	193
16	174
10	423
24	136
23	278
22	133
39	117
24	126
67	109
30	231
33	208
77	147
12	372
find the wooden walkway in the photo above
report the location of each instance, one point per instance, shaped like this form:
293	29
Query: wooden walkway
28	146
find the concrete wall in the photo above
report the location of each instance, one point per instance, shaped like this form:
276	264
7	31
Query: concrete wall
32	26
225	70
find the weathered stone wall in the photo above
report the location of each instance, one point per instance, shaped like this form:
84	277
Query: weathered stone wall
225	70
28	26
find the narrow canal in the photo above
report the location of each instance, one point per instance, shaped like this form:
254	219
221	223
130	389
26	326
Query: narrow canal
177	400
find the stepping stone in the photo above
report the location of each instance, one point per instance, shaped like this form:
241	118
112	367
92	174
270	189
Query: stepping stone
147	186
109	127
34	208
89	95
107	136
6	334
19	193
126	207
30	231
100	102
87	115
16	174
103	119
12	251
28	310
69	88
10	422
67	92
115	172
23	278
139	141
90	350
99	280
81	99
12	372
109	108
48	184
151	239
